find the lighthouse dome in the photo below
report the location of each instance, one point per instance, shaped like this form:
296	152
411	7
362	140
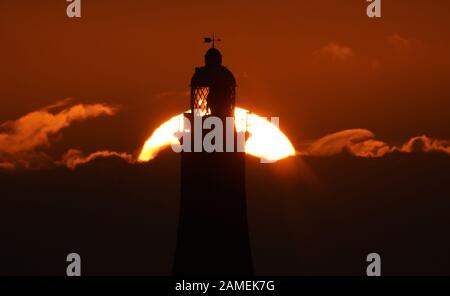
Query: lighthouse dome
213	57
213	73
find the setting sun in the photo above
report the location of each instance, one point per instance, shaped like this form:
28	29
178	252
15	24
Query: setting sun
265	140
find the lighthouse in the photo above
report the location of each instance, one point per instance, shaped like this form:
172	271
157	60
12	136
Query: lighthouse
213	235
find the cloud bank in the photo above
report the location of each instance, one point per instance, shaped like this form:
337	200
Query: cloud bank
73	158
34	129
362	143
21	139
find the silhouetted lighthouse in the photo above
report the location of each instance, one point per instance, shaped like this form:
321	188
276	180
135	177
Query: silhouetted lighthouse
213	231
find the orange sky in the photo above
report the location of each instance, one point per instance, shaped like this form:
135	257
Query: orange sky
322	66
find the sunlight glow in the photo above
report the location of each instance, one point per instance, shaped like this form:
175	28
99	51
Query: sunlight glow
265	140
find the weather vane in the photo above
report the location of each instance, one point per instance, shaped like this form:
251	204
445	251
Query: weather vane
212	40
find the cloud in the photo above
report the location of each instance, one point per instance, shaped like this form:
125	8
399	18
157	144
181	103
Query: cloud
399	42
58	104
7	166
171	95
73	158
25	160
426	144
359	142
335	51
20	139
34	129
362	143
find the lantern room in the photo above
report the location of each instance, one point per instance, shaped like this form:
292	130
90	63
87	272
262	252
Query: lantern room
213	87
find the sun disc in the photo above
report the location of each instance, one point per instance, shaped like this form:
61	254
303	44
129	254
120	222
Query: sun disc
265	140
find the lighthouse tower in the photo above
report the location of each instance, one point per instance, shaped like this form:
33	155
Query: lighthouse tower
213	236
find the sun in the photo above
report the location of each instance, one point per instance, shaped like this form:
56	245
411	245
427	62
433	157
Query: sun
265	141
